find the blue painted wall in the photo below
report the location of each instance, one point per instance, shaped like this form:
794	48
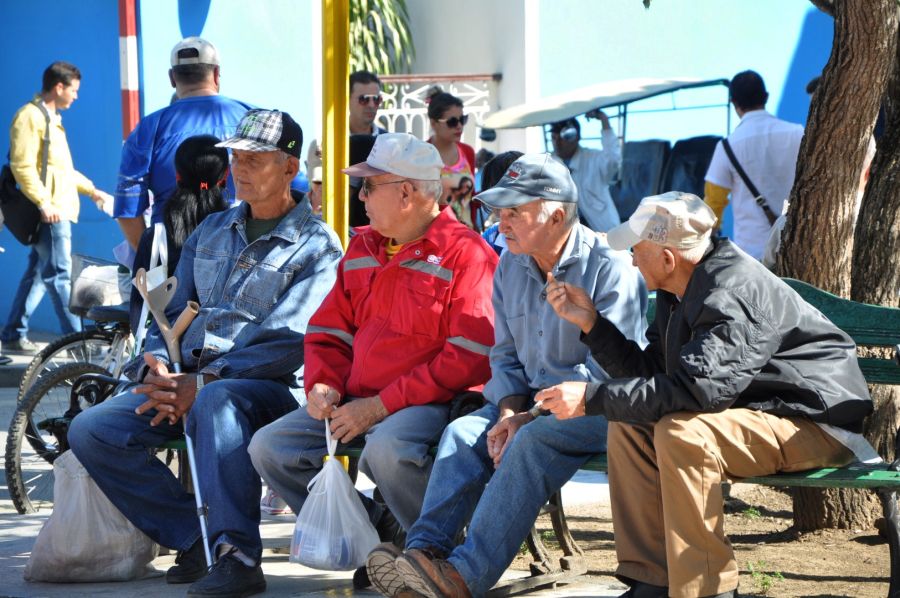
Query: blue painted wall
266	57
85	33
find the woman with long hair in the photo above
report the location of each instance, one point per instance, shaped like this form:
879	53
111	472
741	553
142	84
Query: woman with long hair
445	111
201	170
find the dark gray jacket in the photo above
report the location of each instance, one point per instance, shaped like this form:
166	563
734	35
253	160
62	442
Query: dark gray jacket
740	337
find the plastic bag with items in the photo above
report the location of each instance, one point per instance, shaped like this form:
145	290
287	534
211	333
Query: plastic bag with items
86	537
333	530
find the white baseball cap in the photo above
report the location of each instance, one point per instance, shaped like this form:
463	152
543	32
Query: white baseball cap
400	154
674	219
194	50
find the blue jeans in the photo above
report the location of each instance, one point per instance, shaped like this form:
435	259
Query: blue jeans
288	453
544	455
49	268
112	442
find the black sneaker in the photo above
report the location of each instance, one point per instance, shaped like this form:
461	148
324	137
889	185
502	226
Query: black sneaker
21	345
361	579
190	565
389	529
230	578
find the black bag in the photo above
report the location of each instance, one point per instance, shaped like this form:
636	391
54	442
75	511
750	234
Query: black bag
21	215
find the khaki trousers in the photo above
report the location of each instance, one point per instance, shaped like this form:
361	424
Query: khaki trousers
666	494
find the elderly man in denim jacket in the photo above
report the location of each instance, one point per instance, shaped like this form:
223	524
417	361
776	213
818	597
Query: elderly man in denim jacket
496	467
259	271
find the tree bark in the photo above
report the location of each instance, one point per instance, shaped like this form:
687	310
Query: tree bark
876	253
818	238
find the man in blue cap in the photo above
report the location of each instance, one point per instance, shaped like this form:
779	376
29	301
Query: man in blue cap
525	457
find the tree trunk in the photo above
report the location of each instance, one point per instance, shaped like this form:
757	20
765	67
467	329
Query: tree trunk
876	253
819	233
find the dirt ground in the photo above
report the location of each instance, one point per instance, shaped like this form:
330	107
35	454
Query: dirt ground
787	563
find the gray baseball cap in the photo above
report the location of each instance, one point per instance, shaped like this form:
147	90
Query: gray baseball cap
531	177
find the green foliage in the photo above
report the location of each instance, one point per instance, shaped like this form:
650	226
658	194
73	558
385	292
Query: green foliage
380	38
751	513
764	580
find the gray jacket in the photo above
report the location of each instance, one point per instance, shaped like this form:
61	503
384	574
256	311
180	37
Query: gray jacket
740	337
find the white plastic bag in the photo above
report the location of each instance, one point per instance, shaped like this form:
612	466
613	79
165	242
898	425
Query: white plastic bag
86	538
333	530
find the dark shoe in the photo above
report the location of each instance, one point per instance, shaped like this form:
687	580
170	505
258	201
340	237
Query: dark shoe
382	571
389	529
432	578
190	565
230	578
640	589
21	345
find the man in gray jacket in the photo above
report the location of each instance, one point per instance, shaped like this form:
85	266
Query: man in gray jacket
741	378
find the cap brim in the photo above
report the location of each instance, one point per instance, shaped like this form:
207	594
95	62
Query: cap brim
247	145
503	197
622	237
363	170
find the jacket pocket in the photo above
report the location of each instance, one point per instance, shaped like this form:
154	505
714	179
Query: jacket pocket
419	305
206	273
260	292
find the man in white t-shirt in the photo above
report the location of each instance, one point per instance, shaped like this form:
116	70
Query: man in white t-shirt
593	170
766	148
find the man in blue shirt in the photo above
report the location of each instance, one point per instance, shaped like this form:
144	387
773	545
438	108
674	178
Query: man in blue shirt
258	271
148	164
526	458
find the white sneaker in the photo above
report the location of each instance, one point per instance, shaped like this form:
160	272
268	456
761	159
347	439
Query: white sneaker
273	504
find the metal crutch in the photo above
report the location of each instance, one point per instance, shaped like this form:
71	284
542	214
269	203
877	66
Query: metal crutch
157	299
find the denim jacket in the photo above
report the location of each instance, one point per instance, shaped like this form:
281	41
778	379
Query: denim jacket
255	299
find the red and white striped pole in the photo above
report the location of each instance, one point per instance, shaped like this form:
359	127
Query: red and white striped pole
128	66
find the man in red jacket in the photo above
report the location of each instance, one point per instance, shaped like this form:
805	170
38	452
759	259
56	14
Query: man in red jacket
407	327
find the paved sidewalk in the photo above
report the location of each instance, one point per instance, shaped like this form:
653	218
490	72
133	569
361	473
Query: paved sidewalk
17	534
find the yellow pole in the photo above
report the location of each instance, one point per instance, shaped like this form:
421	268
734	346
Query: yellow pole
335	137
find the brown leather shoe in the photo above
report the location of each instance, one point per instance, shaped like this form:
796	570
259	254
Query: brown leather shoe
432	578
382	570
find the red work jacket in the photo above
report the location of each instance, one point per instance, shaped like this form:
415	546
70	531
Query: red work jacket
415	329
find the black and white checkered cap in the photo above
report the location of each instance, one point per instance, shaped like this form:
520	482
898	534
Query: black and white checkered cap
266	131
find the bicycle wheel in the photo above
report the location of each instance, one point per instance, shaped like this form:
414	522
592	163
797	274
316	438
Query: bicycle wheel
88	346
41	419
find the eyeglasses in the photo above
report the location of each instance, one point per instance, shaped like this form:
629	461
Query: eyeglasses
369	97
368	186
455	121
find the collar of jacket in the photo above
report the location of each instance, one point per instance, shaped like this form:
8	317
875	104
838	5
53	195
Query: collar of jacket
440	232
288	229
571	253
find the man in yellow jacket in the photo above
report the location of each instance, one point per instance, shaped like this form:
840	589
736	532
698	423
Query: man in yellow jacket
55	192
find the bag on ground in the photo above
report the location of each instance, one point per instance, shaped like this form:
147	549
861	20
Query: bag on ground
86	538
333	530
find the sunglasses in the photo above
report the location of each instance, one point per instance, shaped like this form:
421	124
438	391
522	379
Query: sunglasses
368	186
455	121
366	98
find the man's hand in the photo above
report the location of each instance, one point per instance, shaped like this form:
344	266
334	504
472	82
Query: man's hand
355	417
321	401
571	303
170	394
104	201
599	114
49	215
500	436
564	400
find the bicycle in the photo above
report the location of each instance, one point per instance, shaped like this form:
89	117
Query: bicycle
37	432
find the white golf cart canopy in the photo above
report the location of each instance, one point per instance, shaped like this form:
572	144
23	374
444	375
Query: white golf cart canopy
580	101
